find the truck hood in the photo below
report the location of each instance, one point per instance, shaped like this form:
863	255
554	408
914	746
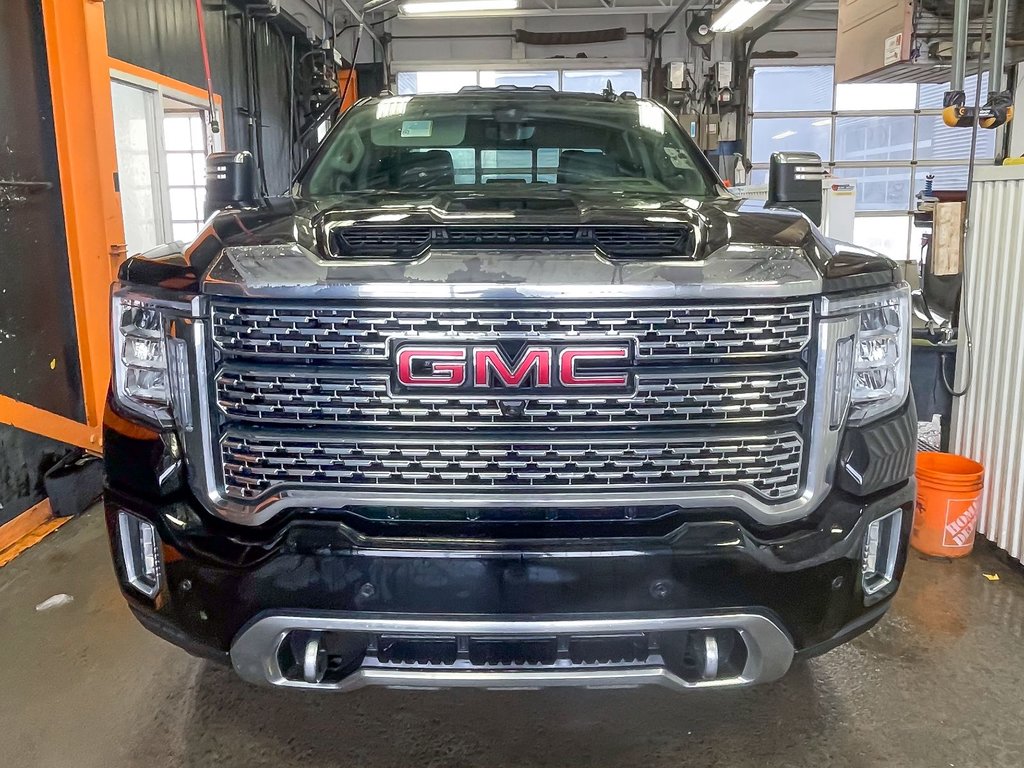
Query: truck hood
746	249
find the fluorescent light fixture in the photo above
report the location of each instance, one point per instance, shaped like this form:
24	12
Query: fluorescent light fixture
438	7
783	135
735	14
820	123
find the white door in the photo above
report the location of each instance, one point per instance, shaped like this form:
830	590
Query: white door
136	128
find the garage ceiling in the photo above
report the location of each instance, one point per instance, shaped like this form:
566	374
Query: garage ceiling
309	11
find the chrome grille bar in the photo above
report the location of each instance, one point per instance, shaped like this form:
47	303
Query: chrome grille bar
354	332
361	397
254	462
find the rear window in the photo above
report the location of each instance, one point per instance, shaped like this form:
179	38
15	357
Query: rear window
435	143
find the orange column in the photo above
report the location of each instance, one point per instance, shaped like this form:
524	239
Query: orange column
76	44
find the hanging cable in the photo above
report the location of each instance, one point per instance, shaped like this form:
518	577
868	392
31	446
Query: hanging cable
288	49
256	112
214	123
965	284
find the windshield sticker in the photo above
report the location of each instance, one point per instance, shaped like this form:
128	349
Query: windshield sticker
417	129
678	158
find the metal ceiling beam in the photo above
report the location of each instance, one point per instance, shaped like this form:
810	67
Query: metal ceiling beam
553	8
603	10
774	22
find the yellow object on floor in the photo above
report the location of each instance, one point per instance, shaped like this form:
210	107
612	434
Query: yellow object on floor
27	530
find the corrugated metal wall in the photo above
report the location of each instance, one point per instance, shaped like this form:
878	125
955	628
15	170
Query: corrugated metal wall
163	36
989	420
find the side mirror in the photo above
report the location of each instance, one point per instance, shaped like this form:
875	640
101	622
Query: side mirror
230	181
794	181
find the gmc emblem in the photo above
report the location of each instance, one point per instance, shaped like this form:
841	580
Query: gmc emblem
491	370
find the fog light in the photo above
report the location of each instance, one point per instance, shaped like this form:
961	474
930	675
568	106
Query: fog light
140	548
881	545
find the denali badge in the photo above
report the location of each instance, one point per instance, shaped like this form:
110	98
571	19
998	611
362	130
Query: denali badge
540	370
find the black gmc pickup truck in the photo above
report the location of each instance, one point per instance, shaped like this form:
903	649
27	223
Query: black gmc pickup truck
509	391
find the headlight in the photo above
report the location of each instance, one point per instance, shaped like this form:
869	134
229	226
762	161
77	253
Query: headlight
147	363
873	362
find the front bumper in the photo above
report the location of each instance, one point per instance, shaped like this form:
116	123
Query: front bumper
244	596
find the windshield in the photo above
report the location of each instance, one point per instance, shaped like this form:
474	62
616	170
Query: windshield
464	142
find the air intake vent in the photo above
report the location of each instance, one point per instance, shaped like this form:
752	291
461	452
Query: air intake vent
409	242
639	242
458	237
387	242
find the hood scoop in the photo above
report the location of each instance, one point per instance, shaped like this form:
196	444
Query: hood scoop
522	202
406	242
487	203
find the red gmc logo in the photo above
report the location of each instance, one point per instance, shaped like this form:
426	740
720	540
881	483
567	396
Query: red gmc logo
539	369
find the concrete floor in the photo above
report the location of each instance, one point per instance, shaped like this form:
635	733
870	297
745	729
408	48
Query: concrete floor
940	683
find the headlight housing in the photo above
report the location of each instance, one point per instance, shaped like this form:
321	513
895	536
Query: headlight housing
149	364
872	361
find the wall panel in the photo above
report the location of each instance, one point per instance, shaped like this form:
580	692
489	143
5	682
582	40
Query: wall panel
163	36
988	422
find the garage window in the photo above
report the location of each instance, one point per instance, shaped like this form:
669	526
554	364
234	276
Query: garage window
185	150
889	137
506	165
570	80
162	142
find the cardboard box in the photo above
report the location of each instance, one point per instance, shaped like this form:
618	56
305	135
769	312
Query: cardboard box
872	34
707	134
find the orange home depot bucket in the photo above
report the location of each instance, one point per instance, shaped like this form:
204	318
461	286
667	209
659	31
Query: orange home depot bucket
948	488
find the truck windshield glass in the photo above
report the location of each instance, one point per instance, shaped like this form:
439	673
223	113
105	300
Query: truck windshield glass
456	142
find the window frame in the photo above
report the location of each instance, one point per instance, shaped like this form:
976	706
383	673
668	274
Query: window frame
159	89
189	112
514	67
916	167
914	164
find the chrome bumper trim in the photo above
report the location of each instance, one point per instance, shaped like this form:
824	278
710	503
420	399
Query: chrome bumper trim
254	653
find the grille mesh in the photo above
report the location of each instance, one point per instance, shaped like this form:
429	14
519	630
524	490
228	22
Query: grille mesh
642	242
511	236
382	240
406	241
254	462
304	398
362	333
361	398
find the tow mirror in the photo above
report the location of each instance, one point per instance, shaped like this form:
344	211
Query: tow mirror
794	181
230	181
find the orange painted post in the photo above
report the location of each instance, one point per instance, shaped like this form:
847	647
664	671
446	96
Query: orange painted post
76	44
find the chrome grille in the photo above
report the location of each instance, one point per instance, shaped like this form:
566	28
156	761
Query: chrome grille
350	397
355	332
255	462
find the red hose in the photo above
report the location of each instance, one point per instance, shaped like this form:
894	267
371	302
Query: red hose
214	125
